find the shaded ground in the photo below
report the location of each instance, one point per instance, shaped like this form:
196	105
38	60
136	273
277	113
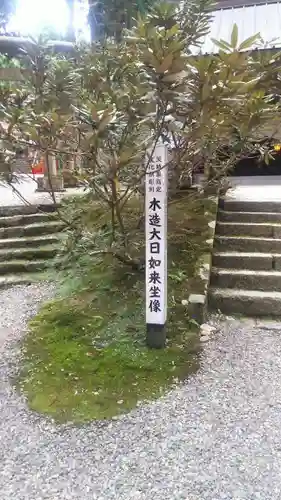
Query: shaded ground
215	438
85	356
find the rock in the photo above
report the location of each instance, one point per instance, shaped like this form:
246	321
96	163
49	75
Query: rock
184	302
196	299
229	318
212	224
203	273
204	338
206	329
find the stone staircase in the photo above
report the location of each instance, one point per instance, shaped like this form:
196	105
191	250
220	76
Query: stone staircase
29	238
246	272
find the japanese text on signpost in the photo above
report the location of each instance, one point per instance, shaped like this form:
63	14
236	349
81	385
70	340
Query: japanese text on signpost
156	238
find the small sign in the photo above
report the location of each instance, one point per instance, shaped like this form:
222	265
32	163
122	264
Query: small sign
156	246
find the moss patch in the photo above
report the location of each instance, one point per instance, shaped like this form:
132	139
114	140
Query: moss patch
85	356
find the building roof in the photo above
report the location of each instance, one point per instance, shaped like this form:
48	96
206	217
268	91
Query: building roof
259	18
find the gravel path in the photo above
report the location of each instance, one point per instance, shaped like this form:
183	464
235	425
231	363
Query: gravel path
216	438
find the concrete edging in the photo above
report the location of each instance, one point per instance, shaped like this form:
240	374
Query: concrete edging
198	303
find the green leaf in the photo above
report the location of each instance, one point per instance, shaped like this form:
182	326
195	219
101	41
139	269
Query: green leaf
222	44
234	36
166	63
249	42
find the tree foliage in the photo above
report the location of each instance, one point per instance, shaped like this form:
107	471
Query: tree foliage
108	107
109	18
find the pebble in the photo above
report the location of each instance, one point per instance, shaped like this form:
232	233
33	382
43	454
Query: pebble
204	338
206	329
214	437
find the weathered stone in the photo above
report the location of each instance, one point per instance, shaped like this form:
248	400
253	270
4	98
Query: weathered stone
41	252
14	266
245	229
246	302
196	299
246	279
33	241
204	338
206	329
15	279
21	220
212	224
243	260
32	229
197	307
247	244
203	273
250	217
9	211
251	206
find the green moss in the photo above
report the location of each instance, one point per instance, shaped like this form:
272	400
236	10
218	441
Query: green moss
85	355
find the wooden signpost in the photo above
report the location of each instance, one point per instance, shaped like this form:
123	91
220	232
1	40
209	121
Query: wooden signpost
156	247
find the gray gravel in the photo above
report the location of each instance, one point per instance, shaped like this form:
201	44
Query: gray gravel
218	437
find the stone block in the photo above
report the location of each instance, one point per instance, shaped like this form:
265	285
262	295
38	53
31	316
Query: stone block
251	260
246	302
197	305
244	244
244	229
247	279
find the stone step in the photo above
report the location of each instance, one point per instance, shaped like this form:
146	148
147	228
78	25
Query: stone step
22	266
29	253
31	241
249	206
10	280
31	229
254	217
247	244
245	302
249	229
7	211
247	260
246	279
24	220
